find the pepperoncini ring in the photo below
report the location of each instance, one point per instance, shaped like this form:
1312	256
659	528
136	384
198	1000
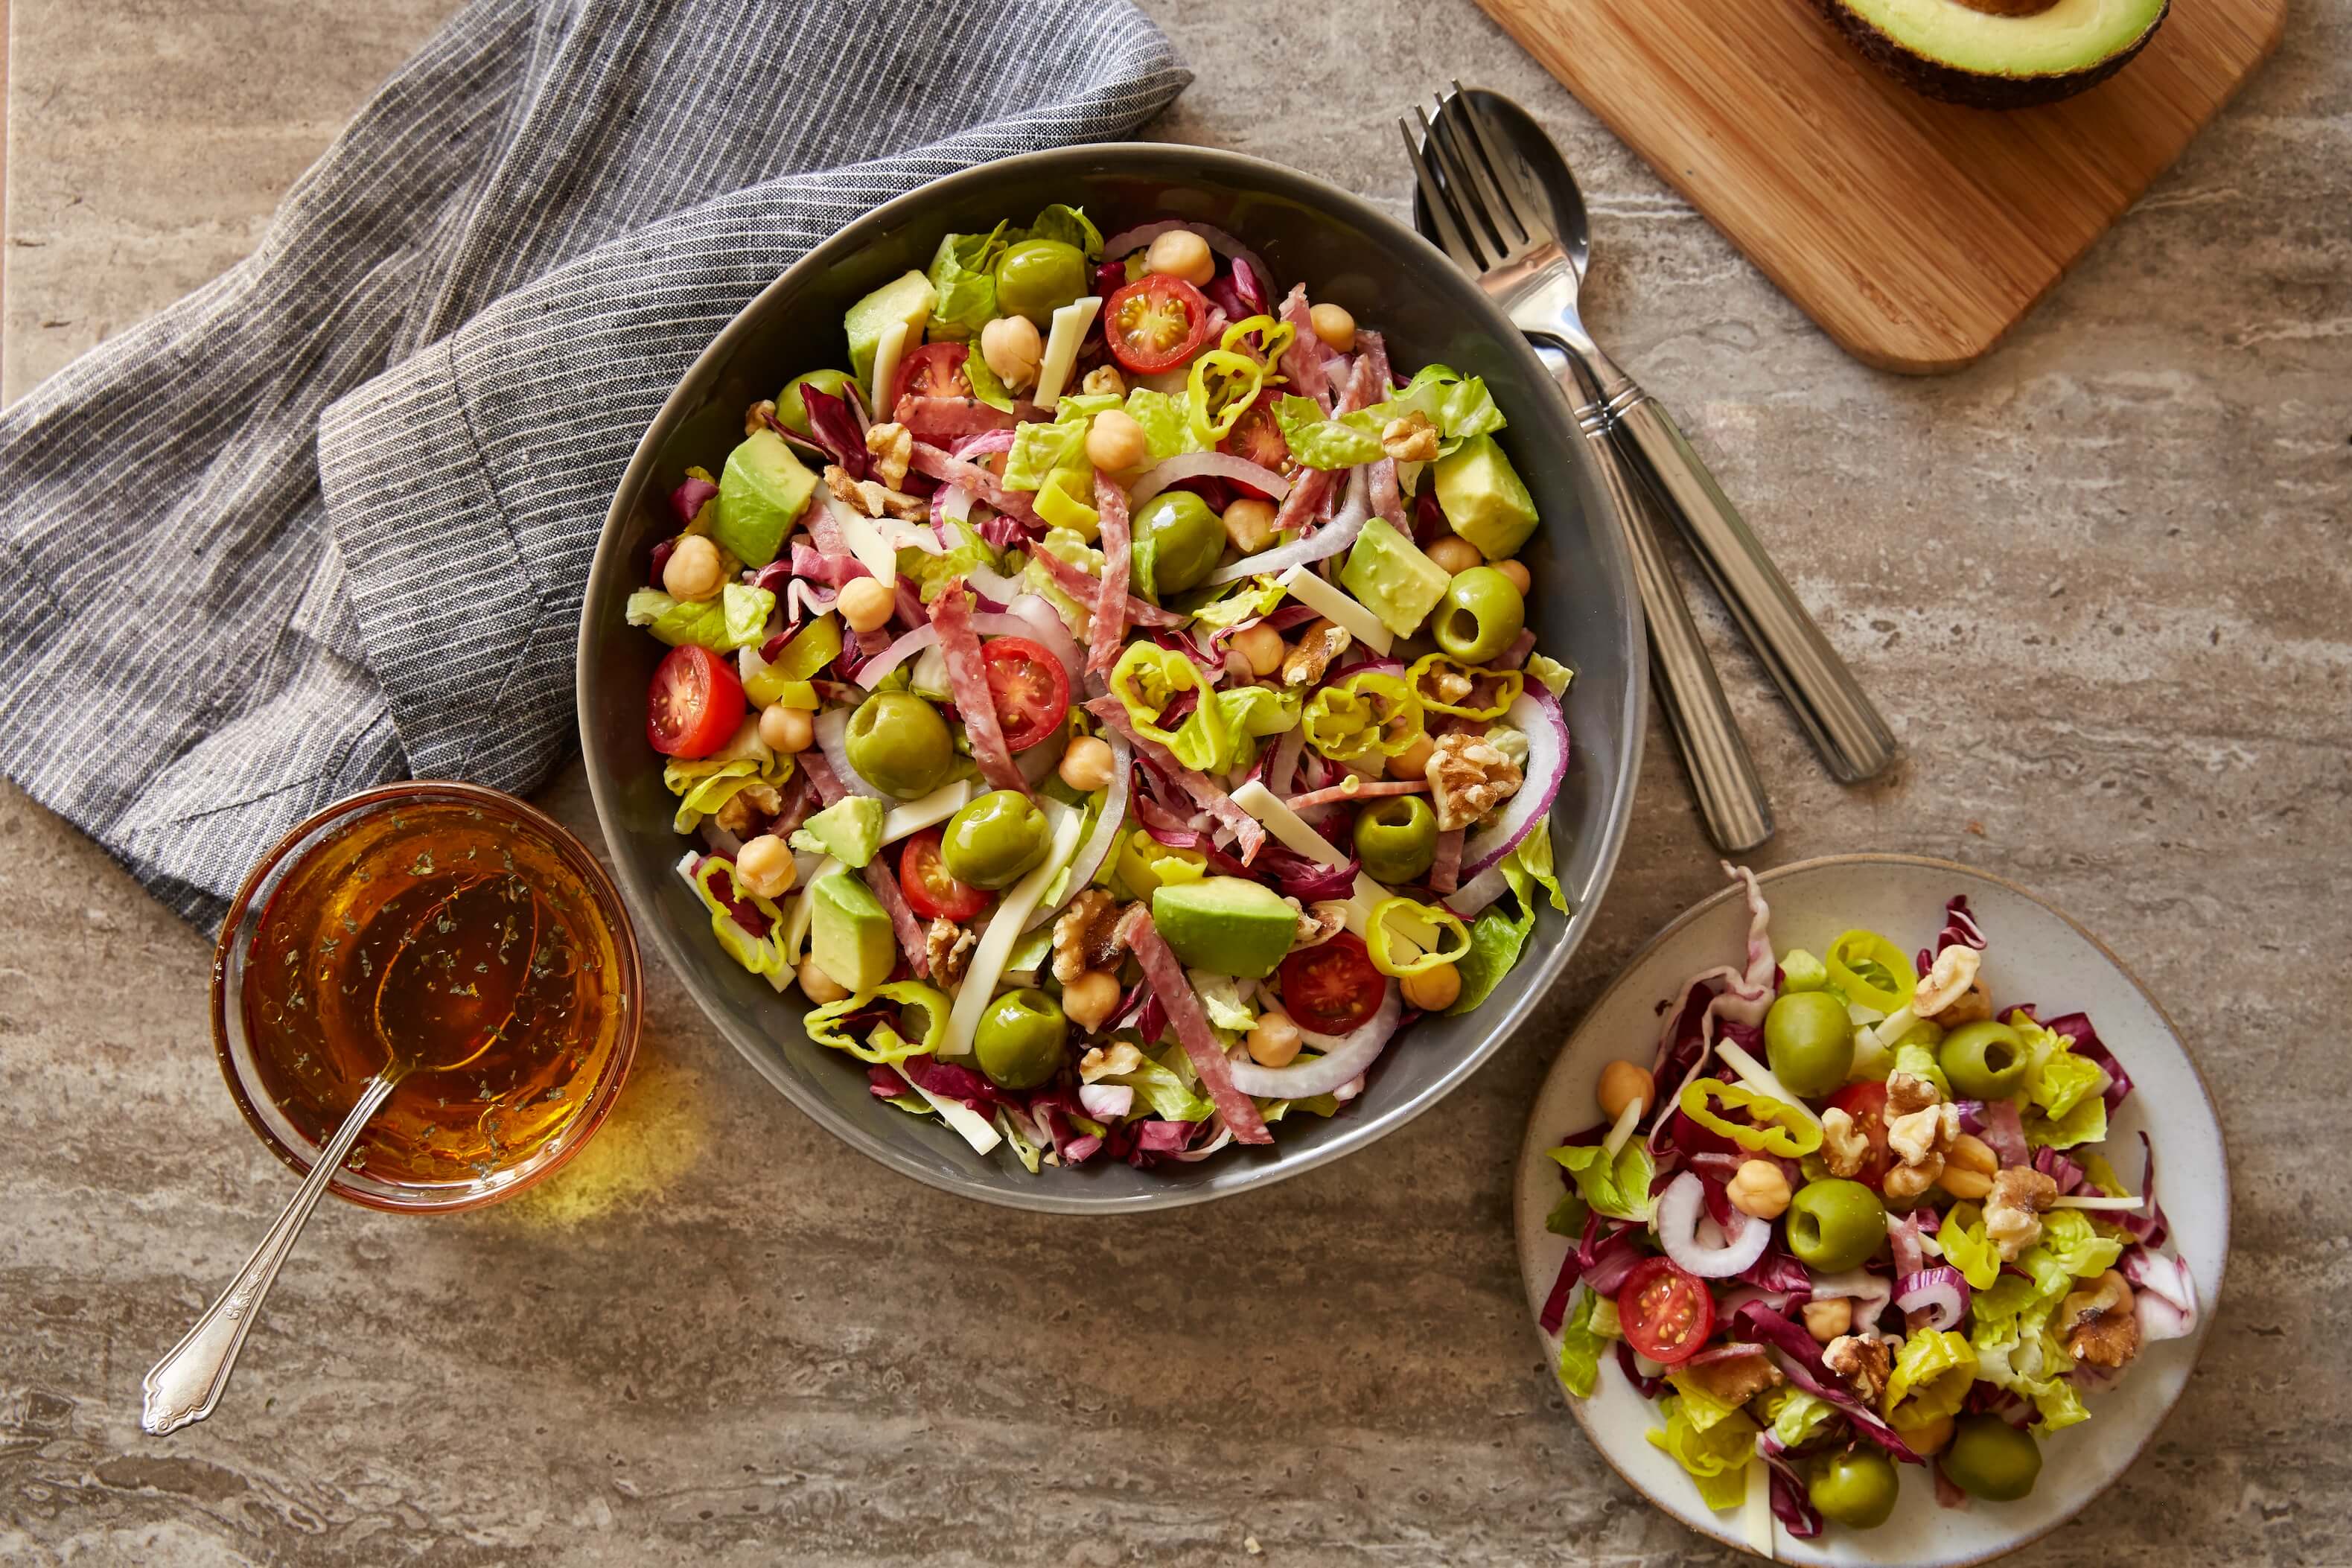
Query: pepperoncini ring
1215	409
1396	711
1273	337
1340	724
1442	922
1787	1131
1147	680
1430	667
884	1043
1871	970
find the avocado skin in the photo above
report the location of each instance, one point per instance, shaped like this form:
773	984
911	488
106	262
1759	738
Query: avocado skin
1975	90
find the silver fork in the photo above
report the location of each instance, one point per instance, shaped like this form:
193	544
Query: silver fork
1535	274
1730	796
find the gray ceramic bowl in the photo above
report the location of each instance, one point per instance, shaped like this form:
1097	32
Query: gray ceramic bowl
1584	610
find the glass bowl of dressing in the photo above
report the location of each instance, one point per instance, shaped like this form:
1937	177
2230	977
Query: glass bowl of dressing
420	910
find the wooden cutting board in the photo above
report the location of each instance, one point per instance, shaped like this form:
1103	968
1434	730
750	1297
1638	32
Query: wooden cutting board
1916	233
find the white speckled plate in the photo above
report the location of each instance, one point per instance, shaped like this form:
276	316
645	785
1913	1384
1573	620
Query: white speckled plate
2036	954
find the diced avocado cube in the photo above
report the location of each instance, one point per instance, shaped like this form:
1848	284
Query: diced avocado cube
763	491
1225	925
849	933
1390	576
907	297
850	830
1481	497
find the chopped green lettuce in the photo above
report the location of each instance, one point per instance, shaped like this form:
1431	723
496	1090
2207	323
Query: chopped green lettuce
1800	970
1159	1085
1496	940
1554	675
1220	996
986	385
1070	226
1041	449
737	618
1918	1058
1582	1347
1166	421
1568	1216
1796	1417
2076	1245
1716	1456
1074	549
1320	443
1237	601
962	272
1621	1189
1704	1410
932	574
1930	1378
1534	856
1460	406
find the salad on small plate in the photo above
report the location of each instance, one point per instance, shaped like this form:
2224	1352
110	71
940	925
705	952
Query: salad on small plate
1107	695
1854	1206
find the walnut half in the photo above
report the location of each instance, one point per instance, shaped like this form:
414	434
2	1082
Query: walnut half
1865	1363
893	447
2013	1209
1468	777
1318	644
949	947
2099	1323
1086	936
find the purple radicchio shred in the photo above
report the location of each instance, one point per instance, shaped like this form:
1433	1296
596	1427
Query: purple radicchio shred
1647	1387
832	570
832	429
2070	1176
1960	930
688	498
659	560
1792	1505
2088	1046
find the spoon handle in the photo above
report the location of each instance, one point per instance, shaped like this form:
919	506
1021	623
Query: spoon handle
183	1387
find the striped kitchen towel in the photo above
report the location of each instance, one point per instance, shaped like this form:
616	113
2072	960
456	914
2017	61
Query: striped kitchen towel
242	545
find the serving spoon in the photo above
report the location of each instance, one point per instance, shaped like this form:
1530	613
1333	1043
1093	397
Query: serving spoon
184	1387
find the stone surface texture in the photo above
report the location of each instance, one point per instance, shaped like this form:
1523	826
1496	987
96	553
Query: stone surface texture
2100	581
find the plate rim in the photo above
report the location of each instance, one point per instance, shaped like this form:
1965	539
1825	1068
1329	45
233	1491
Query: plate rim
1734	889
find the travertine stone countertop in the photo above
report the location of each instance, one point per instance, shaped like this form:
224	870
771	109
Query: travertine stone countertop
2101	582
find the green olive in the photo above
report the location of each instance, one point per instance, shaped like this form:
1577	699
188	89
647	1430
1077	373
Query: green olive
1809	1039
1177	541
1991	1459
899	744
1482	615
1019	1039
1984	1061
1038	277
1834	1225
995	839
792	411
1396	839
1857	1488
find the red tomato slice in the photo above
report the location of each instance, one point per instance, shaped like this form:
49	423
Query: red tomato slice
1155	323
1665	1310
695	705
1256	438
1866	1103
1333	988
1031	688
931	891
935	370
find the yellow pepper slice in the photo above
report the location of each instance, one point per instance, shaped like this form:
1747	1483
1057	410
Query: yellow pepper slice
1421	677
1369	712
1376	937
1787	1131
1223	384
1871	971
1273	337
1147	680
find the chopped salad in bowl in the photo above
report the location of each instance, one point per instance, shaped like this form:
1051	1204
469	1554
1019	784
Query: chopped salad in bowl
1856	1211
1107	694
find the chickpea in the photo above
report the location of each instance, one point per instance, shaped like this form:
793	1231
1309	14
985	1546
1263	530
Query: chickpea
1412	763
819	986
692	571
1181	253
1274	1041
1969	1167
1335	327
1249	523
1455	555
866	604
1010	346
1434	989
1104	378
1115	442
787	729
1624	1082
1759	1188
1090	999
1262	646
1517	573
1087	765
764	866
1826	1321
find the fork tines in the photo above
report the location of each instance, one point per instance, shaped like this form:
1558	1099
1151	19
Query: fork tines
1483	214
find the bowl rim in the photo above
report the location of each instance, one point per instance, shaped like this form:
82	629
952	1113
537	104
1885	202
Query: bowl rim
1869	857
608	897
1210	166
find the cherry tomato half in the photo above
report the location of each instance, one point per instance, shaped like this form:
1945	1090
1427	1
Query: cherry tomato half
1031	688
1155	323
931	891
935	370
1665	1310
695	705
1866	1103
1332	988
1256	438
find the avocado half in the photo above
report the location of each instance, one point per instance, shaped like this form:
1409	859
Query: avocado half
1997	53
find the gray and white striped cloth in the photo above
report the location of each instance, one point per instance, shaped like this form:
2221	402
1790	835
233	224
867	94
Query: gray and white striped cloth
327	521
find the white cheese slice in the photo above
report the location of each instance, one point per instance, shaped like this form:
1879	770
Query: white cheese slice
1004	928
1062	344
976	1129
916	815
1301	583
2096	1201
1759	1076
888	350
865	541
1618	1131
1296	835
801	911
1755	1512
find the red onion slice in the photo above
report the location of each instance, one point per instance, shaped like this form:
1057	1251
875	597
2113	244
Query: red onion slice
1027	616
870	674
1208	465
1355	509
1098	847
1939	1292
1679	1209
2165	1296
1869	1292
1105	1101
1345	1057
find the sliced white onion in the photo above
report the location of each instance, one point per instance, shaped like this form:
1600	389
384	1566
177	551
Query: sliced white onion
952	504
2164	1299
832	728
1680	1207
1536	715
1284	766
1479	891
1355	509
1120	244
995	584
1207	465
901	534
870	675
1105	1101
1345	1057
1033	628
1869	1292
1096	849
